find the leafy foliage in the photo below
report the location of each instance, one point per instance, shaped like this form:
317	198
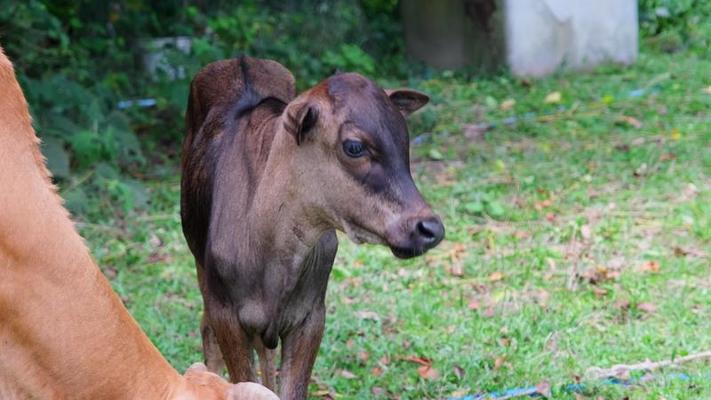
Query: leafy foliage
675	23
78	60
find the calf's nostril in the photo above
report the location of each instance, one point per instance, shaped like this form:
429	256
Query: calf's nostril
430	231
425	230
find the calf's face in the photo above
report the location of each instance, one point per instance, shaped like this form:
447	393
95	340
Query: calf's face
352	162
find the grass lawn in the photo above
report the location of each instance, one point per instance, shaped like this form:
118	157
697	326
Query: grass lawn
577	237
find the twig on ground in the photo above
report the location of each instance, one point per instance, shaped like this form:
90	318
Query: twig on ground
623	370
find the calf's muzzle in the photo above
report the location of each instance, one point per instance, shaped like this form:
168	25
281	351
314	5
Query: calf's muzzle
415	235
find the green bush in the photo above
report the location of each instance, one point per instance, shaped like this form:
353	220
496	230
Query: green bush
674	23
78	60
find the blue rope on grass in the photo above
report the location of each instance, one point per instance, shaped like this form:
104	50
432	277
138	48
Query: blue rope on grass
580	388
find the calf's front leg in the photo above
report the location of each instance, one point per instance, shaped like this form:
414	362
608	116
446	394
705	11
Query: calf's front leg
299	349
236	349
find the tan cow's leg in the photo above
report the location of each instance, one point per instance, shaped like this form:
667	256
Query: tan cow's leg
299	350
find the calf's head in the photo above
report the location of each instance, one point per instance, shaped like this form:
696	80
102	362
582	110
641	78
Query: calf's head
351	163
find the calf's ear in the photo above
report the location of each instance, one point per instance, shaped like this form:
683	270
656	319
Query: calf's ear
407	100
300	120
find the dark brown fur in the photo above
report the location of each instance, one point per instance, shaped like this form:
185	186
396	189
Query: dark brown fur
266	183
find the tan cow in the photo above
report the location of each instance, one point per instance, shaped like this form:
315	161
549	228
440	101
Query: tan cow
63	332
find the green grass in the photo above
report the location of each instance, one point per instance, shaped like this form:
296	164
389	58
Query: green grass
549	223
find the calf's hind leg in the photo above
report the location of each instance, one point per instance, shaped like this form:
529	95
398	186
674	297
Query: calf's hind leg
210	348
266	364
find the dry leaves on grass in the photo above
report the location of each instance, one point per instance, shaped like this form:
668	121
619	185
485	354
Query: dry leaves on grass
347	374
496	276
322	393
553	98
691	252
428	372
371	315
499	362
600	274
475	132
631	121
507	104
650	267
676	134
456	257
425	369
648	308
544	389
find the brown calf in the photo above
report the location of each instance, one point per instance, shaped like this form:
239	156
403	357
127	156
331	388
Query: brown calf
64	334
267	178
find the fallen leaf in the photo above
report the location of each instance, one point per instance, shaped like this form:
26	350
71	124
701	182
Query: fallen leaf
540	205
521	235
321	393
363	356
496	276
681	252
498	363
475	132
586	232
384	360
458	371
648	308
154	241
667	157
707	90
544	389
622	304
427	372
650	266
553	97
489	312
456	269
632	121
377	391
418	360
599	292
600	274
435	155
474	304
372	315
507	104
641	170
347	374
376	371
676	134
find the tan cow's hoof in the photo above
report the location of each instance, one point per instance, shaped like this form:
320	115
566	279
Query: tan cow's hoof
251	391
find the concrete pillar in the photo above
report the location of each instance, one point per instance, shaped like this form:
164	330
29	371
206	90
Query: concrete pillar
531	37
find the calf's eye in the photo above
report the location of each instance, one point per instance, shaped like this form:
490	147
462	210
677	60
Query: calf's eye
354	148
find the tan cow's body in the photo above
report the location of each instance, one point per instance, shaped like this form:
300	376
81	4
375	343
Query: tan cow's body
63	332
